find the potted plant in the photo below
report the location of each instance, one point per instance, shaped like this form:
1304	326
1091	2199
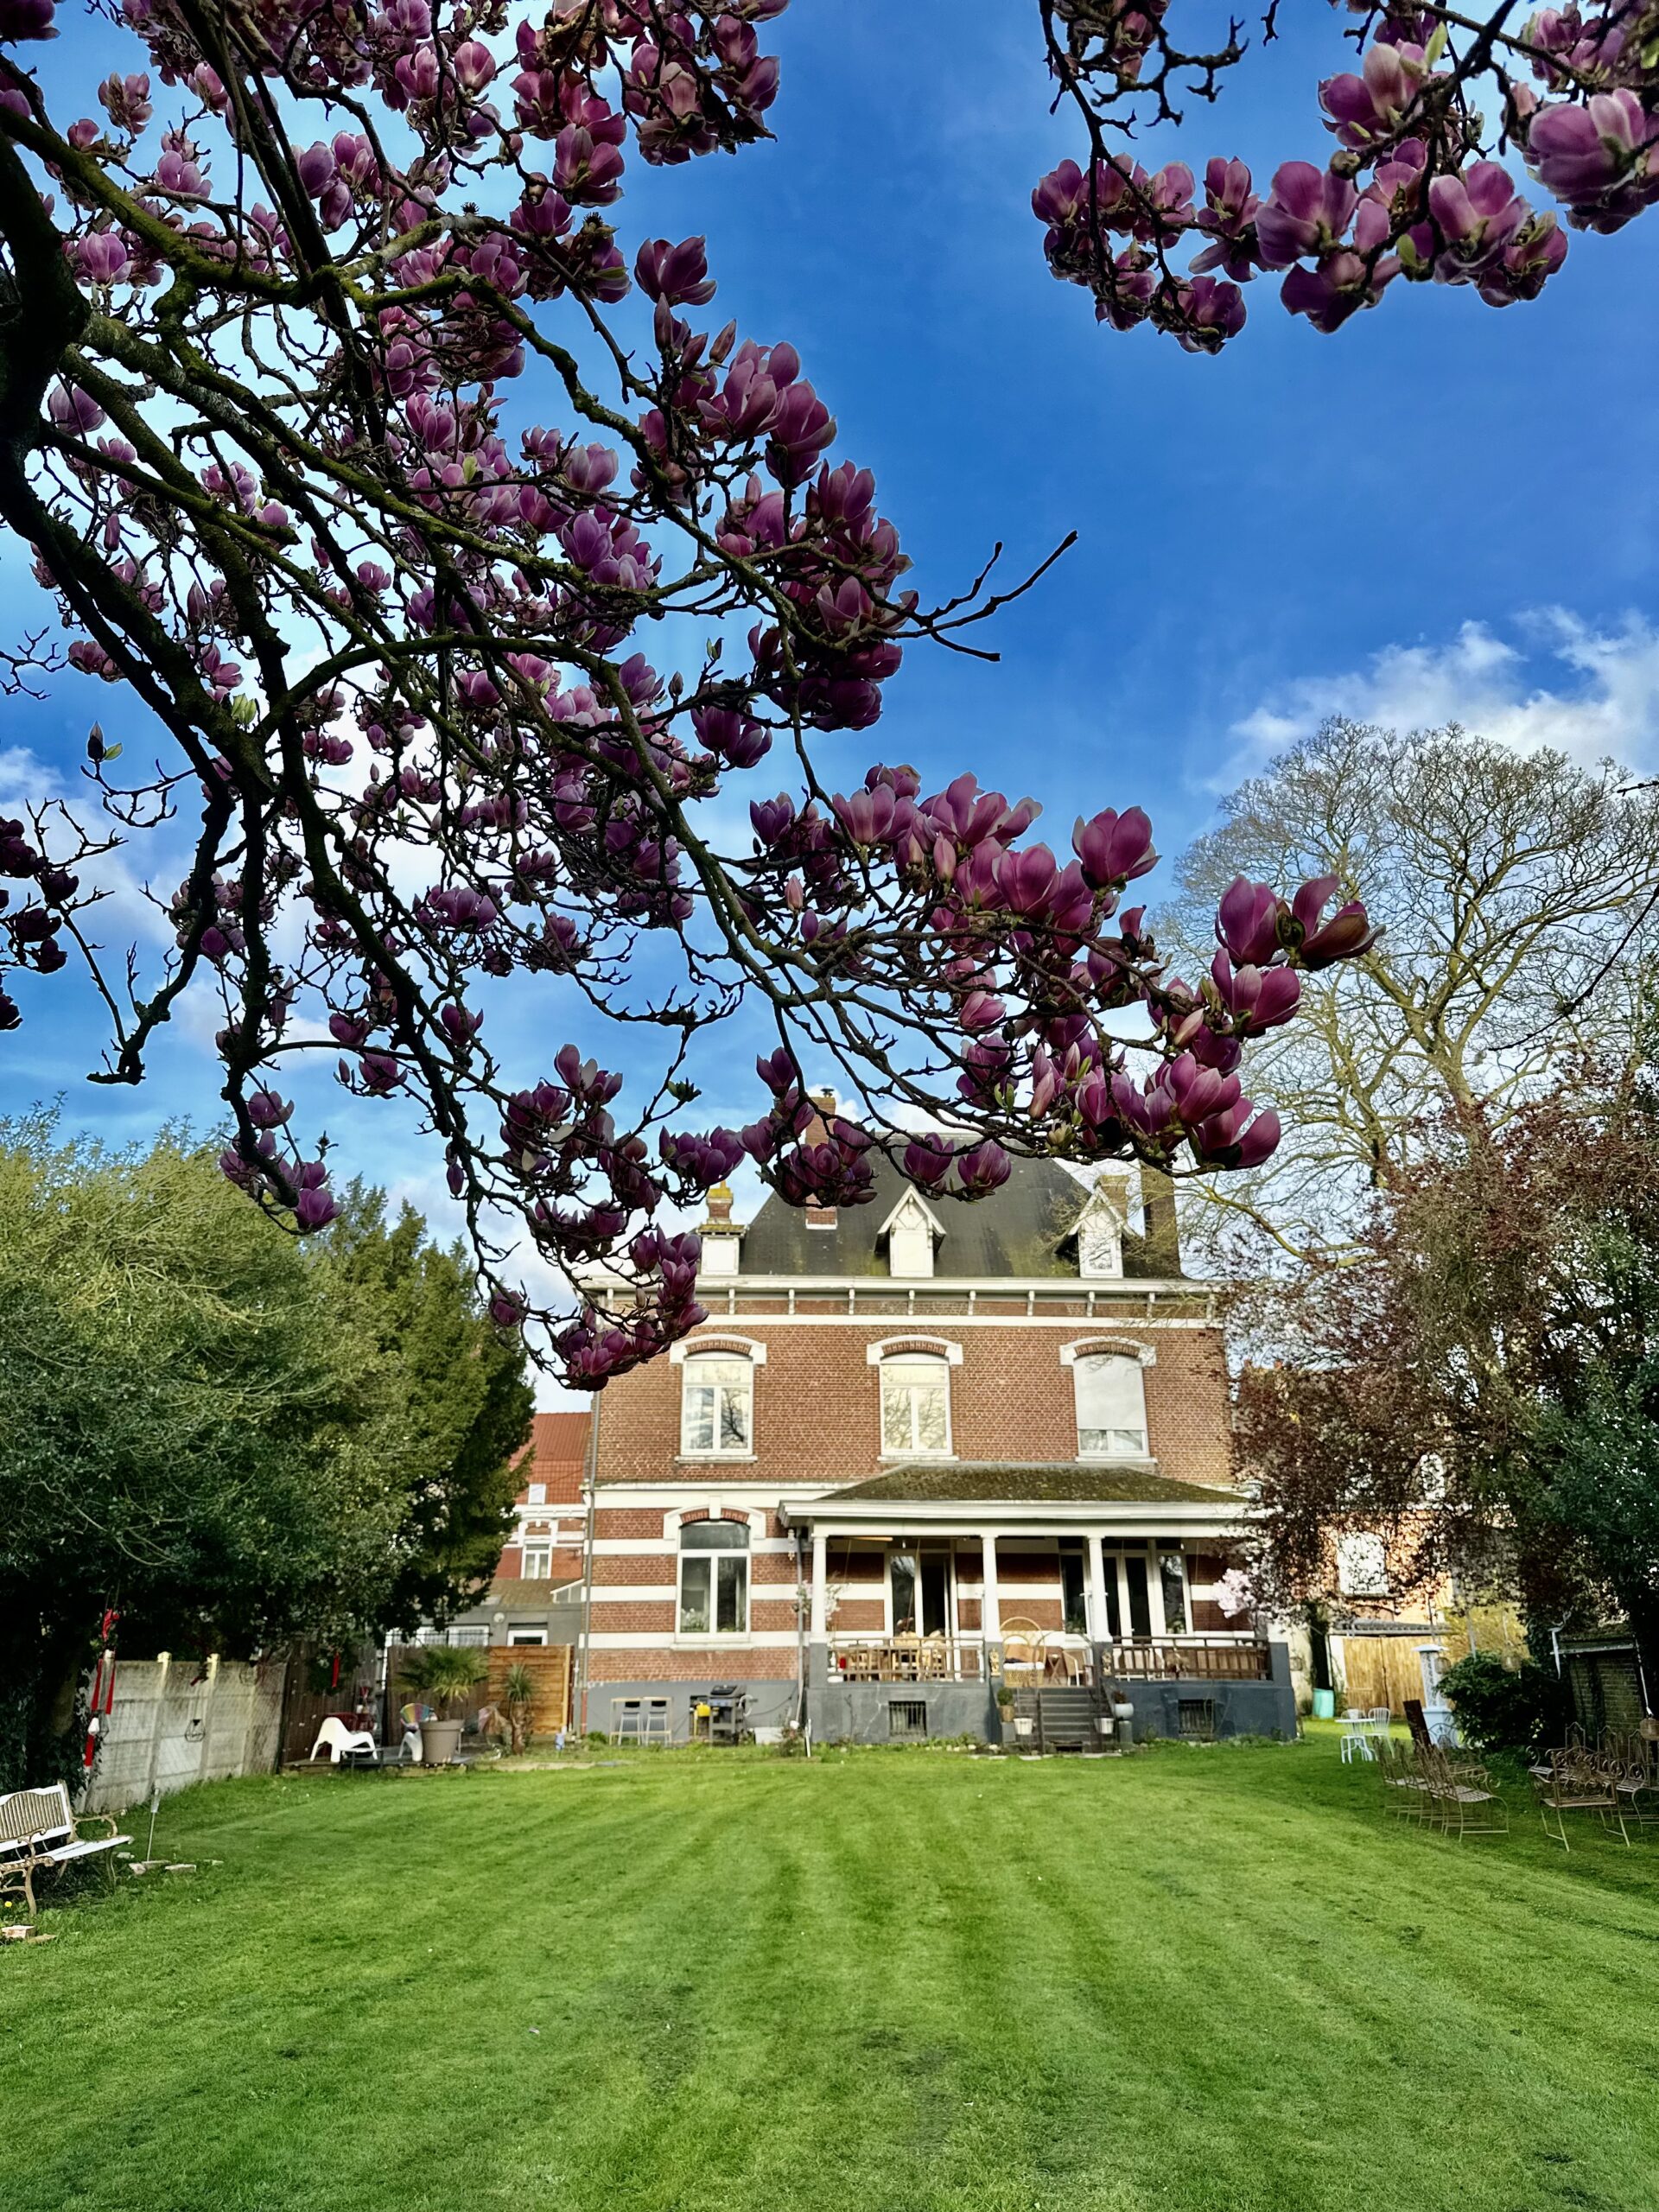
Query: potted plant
444	1674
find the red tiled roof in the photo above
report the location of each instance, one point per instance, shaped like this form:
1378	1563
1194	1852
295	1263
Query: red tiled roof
556	1454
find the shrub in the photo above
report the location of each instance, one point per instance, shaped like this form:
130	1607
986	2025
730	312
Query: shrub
1502	1709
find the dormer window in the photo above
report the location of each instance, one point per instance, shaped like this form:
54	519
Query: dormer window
1099	1232
910	1229
1100	1246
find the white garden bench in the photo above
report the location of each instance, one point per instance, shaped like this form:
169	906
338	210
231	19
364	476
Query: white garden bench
38	1831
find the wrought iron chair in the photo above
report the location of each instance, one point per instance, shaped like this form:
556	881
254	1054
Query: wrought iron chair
1578	1780
1461	1797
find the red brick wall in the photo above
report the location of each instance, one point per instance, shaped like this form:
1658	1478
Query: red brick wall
658	1663
817	1415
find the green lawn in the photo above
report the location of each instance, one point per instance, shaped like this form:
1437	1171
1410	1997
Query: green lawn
885	1982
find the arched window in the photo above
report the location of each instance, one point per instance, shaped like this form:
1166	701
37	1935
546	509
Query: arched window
915	1405
713	1578
717	1405
1111	1406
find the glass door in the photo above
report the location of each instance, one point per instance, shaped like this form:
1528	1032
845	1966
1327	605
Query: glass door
919	1583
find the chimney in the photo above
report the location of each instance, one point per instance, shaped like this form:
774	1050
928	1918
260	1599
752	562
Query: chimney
723	1237
1159	1227
823	1103
1113	1184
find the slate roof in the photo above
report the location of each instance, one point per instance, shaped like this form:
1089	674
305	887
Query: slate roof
1015	1231
951	1481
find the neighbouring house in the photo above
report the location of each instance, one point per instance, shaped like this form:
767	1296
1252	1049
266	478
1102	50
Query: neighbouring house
1381	1632
535	1596
921	1452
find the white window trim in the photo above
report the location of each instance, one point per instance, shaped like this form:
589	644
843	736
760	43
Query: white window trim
708	1508
526	1639
1100	1208
724	1637
524	1562
1110	1348
743	1348
925	1347
721	1340
1092	1347
910	1349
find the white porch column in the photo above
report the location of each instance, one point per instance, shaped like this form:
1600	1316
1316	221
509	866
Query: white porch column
820	1591
1100	1619
990	1615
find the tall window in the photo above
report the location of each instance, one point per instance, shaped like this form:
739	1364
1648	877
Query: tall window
1075	1604
715	1579
717	1405
1172	1572
915	1405
538	1562
1112	1406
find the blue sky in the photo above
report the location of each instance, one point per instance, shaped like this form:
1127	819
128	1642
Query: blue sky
1443	510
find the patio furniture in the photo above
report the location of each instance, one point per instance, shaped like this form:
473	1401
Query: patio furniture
1025	1647
1461	1797
627	1719
1416	1721
1404	1776
40	1832
1360	1735
344	1742
414	1718
1578	1780
657	1725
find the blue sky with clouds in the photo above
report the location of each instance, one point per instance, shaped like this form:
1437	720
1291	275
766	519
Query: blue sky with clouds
1442	511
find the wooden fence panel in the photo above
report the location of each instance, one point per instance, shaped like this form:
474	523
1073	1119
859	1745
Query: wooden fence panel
551	1669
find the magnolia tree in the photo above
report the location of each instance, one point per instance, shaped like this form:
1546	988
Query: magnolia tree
322	419
1415	188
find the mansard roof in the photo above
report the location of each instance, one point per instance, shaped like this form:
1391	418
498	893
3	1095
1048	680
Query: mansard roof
953	1482
1017	1231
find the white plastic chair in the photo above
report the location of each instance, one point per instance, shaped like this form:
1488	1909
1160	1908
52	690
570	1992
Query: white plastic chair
341	1741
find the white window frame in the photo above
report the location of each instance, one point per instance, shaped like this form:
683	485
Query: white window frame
470	1636
920	1357
542	1548
712	1634
1099	1219
717	1450
526	1639
537	1494
1075	1356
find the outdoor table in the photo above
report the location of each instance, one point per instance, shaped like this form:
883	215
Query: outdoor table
1360	1730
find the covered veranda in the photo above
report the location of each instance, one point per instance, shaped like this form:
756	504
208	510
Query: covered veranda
957	1584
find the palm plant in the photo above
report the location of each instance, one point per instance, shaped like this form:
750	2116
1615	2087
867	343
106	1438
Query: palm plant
444	1673
518	1697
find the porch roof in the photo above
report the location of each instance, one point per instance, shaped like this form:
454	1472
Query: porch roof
1023	1483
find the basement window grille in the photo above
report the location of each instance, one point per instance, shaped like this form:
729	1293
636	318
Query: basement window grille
907	1719
1198	1720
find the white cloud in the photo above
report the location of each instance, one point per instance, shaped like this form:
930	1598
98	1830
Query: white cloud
1593	693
